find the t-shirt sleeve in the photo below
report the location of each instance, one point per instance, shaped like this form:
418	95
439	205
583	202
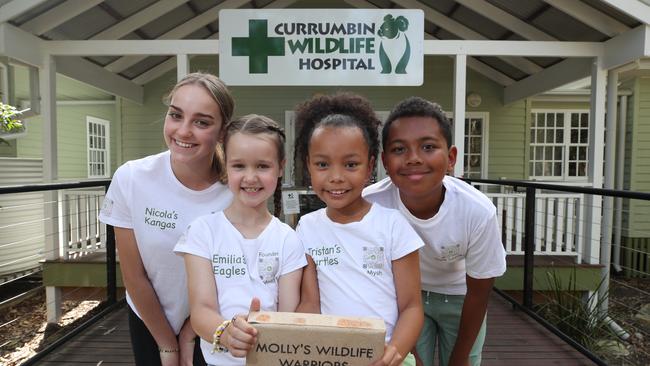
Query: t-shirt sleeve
293	254
405	239
485	256
116	210
301	235
196	240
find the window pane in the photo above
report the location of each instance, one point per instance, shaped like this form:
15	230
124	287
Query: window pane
91	142
530	168
557	169
574	119
540	119
572	169
559	136
573	153
90	125
475	145
540	136
558	153
548	166
550	120
476	127
532	135
538	169
584	120
574	136
539	153
550	135
548	153
582	169
584	135
559	119
582	153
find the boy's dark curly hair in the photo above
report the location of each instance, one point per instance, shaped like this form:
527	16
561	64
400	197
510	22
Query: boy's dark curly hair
337	110
417	107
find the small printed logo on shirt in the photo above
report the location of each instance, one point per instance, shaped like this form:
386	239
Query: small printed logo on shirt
373	260
107	207
449	253
267	267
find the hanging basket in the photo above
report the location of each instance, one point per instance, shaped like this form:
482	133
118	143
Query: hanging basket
11	127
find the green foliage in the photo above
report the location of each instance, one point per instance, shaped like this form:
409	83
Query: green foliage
9	121
582	320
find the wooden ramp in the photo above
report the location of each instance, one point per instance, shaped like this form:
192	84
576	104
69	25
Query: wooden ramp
513	339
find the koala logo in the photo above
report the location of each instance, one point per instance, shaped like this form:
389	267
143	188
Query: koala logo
391	30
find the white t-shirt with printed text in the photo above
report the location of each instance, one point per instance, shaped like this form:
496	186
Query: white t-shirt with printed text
243	268
354	261
146	196
462	238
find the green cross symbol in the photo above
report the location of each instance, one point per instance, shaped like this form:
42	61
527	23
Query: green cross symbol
258	46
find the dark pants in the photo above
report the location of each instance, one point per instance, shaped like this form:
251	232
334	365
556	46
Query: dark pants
145	348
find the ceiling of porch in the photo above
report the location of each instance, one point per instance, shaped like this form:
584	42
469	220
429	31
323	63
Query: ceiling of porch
535	20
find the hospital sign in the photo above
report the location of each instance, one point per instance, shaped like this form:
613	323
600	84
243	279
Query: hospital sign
321	47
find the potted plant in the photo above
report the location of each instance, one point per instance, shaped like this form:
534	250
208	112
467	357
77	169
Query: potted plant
11	126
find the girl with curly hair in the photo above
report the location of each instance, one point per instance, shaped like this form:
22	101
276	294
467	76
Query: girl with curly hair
366	255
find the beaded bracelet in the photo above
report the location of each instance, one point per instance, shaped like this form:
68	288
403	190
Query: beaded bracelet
216	338
172	350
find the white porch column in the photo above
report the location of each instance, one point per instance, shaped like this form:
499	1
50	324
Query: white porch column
47	79
182	66
460	80
595	162
608	202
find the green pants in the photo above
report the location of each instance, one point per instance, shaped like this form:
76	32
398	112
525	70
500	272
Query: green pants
441	323
409	360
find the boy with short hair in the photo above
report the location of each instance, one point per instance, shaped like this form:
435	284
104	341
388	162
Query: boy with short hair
463	252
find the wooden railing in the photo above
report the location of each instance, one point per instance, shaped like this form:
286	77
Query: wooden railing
558	217
81	232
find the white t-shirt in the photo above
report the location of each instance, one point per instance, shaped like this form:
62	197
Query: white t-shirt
146	196
354	261
462	238
243	268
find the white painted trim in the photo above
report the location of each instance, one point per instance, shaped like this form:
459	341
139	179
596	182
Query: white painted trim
590	16
15	8
137	20
431	47
107	151
460	87
182	66
628	47
633	8
289	177
513	48
507	20
17	44
553	77
87	72
58	15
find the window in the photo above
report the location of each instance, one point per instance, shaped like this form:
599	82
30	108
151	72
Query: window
98	147
558	145
476	149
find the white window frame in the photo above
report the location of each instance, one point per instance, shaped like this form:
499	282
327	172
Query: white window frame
106	150
566	145
485	143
